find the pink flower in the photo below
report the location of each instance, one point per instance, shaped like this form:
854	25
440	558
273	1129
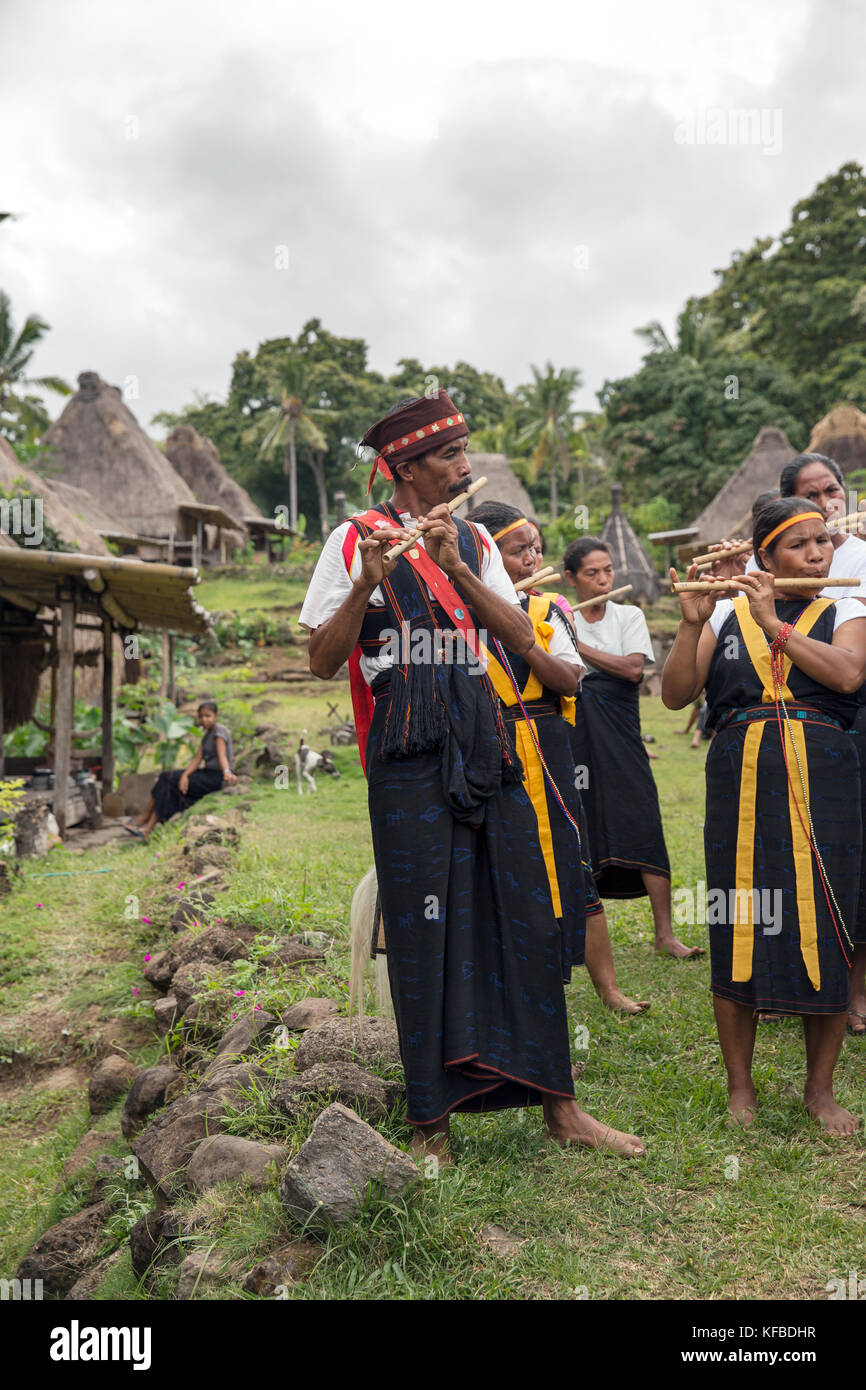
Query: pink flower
159	854
38	904
180	885
148	923
256	1006
135	989
219	921
147	958
239	993
198	875
234	1015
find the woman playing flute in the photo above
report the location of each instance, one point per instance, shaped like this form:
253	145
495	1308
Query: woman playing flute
630	859
782	831
540	712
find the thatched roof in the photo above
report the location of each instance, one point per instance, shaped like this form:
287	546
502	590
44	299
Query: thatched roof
70	525
194	457
841	435
84	506
502	484
631	564
98	445
731	508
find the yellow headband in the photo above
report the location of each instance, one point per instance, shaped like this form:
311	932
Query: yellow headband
783	526
521	521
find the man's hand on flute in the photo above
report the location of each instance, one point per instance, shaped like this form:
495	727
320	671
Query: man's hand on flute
374	559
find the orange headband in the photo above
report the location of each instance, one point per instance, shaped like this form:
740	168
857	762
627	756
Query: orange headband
783	526
521	521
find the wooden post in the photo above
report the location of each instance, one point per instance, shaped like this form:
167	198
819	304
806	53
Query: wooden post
222	535
199	542
172	686
107	694
267	548
65	709
52	709
163	680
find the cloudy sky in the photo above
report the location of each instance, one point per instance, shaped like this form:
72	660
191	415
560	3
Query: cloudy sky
499	182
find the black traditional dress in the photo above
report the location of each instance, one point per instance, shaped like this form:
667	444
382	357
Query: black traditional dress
473	946
619	793
778	942
541	722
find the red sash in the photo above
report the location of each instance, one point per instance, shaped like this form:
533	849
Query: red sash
445	594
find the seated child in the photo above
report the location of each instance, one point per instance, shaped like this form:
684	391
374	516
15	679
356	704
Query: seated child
210	769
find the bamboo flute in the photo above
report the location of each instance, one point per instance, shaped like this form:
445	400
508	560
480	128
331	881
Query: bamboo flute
416	535
541	578
703	586
842	523
602	598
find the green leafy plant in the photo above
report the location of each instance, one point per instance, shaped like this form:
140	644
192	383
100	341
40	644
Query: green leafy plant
172	729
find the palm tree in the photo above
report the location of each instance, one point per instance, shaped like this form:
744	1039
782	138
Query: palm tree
548	402
16	350
289	422
697	334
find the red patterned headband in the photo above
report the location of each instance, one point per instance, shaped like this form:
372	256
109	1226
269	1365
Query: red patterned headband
424	432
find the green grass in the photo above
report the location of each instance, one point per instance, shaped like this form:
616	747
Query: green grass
710	1213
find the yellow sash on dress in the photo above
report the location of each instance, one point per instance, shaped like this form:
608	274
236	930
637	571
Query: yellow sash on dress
744	926
533	773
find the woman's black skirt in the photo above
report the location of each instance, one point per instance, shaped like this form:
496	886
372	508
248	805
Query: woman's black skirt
858	733
169	800
617	788
779	980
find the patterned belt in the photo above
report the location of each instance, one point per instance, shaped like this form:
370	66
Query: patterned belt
805	713
536	709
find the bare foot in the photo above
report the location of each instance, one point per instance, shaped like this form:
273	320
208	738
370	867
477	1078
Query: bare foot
668	945
743	1104
856	1022
569	1125
429	1142
822	1107
618	1001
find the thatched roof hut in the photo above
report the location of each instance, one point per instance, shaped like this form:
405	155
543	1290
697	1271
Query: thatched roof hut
841	435
98	445
73	526
502	484
730	512
631	564
195	458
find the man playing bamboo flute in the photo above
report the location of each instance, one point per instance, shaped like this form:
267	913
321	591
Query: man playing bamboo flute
473	947
782	834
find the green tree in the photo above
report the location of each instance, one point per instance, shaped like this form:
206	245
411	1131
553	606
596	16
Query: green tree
290	418
798	299
23	417
547	405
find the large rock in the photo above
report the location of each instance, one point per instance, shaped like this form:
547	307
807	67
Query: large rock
281	1268
191	979
216	943
288	950
111	1079
343	1081
146	1094
198	1271
64	1252
246	1036
155	1238
309	1013
227	1158
86	1286
165	1147
344	1040
165	1014
332	1173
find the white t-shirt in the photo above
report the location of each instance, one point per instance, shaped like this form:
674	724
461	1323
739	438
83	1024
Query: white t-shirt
621	632
846	609
332	583
848	560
